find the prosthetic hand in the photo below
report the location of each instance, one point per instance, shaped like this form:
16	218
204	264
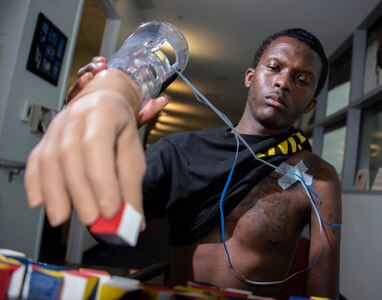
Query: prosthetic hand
98	64
91	155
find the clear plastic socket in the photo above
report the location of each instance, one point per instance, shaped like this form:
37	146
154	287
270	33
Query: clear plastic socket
146	56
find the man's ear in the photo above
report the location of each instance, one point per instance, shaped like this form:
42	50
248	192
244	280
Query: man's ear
312	104
248	77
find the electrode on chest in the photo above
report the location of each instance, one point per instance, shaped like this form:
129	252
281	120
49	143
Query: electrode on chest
293	174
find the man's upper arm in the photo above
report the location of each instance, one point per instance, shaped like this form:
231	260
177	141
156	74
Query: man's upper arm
323	277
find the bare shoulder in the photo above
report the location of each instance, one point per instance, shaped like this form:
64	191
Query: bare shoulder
326	184
326	181
320	169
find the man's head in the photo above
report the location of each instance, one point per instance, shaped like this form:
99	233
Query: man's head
287	75
305	37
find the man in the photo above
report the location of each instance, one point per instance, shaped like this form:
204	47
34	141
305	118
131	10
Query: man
186	174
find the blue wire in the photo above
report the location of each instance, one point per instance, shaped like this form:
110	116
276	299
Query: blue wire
221	205
301	179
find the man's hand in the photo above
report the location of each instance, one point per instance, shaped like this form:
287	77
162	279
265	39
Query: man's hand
91	155
85	75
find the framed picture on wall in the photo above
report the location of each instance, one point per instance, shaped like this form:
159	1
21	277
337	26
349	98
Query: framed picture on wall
47	50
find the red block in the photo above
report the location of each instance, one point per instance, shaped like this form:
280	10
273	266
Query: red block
123	229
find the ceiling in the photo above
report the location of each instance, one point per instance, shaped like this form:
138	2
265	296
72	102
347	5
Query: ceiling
223	36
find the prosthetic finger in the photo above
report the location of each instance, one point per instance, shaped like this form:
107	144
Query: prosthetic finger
51	180
124	228
131	167
32	178
72	163
100	160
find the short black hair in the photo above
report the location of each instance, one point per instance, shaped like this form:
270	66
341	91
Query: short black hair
305	37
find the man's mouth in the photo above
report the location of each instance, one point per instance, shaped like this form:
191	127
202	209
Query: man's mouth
276	100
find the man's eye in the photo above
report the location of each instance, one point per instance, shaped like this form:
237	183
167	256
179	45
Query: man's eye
303	81
273	68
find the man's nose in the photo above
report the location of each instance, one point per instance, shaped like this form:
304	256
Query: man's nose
283	81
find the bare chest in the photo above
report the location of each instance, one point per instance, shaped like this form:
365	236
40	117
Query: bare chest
269	218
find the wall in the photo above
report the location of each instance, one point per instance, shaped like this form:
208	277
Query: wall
130	15
9	45
361	246
20	227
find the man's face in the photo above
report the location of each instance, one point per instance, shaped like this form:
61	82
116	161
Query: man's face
282	85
